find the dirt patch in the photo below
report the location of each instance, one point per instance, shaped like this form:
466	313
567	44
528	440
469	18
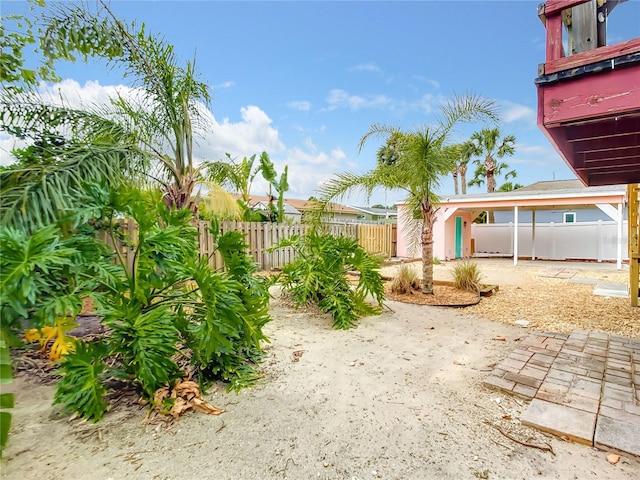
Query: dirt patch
443	295
399	397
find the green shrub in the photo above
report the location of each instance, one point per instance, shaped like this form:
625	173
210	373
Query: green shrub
467	276
319	276
436	261
6	399
168	305
406	281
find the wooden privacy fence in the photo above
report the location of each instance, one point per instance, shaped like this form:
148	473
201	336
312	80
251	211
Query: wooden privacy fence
260	237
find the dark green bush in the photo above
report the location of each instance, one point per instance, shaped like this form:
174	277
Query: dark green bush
170	304
320	275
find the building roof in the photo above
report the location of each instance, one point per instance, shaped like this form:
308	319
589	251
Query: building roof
545	189
552	185
540	194
302	205
389	212
288	209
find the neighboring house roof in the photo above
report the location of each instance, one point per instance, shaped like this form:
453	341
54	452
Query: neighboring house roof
302	205
288	209
385	212
552	185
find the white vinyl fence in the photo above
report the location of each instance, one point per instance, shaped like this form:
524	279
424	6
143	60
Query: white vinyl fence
553	241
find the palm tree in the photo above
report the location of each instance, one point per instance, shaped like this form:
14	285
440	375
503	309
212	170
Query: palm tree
509	187
151	131
454	152
467	150
487	144
421	162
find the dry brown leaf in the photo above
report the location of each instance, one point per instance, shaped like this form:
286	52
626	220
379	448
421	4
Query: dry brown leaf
203	406
179	407
187	396
160	395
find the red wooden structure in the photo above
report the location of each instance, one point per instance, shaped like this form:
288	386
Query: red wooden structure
589	96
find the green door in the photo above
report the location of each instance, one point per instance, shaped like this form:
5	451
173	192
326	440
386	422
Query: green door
458	237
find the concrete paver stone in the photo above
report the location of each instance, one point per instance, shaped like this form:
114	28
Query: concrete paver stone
578	425
619	435
584	386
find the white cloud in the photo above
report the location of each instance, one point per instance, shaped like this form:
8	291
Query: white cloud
308	142
227	84
433	83
365	67
301	105
254	132
339	98
7	144
70	93
514	112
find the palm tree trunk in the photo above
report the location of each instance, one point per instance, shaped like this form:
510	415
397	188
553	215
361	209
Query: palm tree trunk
454	173
428	216
490	167
463	180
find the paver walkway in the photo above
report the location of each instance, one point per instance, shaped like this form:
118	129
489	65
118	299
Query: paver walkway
584	386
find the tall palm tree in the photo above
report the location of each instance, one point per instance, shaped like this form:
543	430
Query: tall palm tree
151	130
488	145
422	161
453	151
467	150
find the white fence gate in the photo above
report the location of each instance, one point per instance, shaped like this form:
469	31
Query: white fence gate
553	241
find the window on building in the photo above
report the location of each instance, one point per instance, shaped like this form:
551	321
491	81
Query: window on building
569	217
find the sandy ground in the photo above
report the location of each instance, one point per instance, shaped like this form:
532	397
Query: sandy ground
399	397
528	292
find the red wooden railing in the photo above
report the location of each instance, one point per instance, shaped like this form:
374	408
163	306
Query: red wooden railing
556	61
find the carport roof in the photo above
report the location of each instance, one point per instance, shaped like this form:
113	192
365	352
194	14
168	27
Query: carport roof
540	194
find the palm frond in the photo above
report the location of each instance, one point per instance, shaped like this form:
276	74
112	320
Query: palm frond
39	194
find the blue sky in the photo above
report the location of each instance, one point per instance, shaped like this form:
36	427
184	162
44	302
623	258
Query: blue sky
305	80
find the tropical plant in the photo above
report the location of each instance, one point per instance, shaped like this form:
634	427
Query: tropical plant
320	276
492	148
17	32
45	276
279	185
509	187
406	281
6	398
489	145
151	131
238	177
390	152
168	313
467	276
421	162
453	151
467	150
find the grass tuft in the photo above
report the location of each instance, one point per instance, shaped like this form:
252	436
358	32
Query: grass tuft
467	276
406	281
